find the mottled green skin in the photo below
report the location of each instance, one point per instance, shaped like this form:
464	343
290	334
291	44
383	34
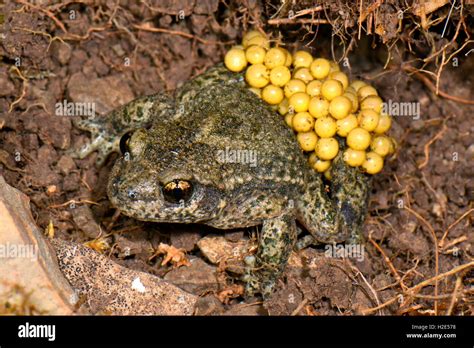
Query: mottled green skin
180	137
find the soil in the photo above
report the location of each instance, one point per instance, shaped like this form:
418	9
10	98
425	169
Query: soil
420	215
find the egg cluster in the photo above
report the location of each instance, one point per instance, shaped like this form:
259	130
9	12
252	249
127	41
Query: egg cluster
318	102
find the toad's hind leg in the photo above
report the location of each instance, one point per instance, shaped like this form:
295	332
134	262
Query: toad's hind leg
338	215
106	131
276	242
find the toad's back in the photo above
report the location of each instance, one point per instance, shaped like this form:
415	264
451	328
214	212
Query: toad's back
230	138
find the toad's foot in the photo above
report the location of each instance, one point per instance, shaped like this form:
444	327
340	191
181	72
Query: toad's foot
276	242
338	216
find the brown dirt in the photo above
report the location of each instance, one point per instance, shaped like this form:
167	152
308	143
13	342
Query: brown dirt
424	193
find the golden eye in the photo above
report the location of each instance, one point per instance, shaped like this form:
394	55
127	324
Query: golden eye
177	190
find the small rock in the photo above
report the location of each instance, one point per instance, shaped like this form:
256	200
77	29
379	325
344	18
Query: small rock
246	309
206	7
197	278
51	190
219	249
185	240
470	152
234	236
112	289
84	219
71	182
412	242
82	89
6	86
208	305
66	164
418	125
62	52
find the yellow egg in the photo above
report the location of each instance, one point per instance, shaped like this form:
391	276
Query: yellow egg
275	57
373	163
358	139
283	107
365	91
354	100
256	91
280	76
354	158
272	94
345	125
303	122
341	77
314	88
350	90
250	35
368	119
318	107
255	54
327	174
312	158
372	102
334	67
288	59
325	127
302	59
340	107
393	145
299	101
257	76
331	89
357	84
303	74
235	60
289	119
258	41
381	145
384	124
320	68
307	140
327	148
294	86
321	166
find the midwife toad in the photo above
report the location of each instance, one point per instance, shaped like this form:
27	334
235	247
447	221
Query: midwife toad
172	169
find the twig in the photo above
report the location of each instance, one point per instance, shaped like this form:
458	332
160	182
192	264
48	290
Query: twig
440	276
432	87
278	21
47	13
388	262
308	11
435	241
417	287
454	296
428	144
148	27
300	307
441	243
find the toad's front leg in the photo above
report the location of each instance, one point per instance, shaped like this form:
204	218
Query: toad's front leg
276	242
107	131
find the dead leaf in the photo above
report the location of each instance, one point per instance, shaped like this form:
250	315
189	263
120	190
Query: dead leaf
232	291
174	255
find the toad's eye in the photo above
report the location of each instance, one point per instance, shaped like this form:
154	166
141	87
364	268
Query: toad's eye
177	190
124	140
